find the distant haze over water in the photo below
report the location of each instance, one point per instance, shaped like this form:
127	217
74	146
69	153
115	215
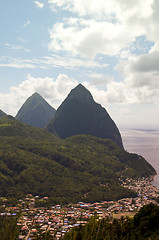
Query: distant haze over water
145	143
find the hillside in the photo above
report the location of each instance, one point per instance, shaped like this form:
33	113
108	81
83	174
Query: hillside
80	168
80	114
36	112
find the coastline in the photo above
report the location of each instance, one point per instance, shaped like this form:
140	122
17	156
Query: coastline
144	142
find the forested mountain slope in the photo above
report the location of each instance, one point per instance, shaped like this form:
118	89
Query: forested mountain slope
80	168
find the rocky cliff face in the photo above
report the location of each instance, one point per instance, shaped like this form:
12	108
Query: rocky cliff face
80	114
36	112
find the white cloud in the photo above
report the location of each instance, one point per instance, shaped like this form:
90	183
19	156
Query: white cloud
39	4
126	106
147	62
118	28
107	27
105	9
13	47
71	62
141	81
27	23
99	79
18	63
56	90
50	62
93	8
101	9
89	37
16	47
141	71
53	90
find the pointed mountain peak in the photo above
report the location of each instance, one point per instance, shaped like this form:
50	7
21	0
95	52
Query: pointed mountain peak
80	87
35	96
81	94
36	111
80	114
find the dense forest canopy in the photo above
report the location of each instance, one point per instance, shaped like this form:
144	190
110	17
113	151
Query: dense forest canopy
8	227
80	168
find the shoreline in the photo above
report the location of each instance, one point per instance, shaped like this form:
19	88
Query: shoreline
144	142
155	180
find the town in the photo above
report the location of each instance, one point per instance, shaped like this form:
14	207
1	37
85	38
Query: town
58	219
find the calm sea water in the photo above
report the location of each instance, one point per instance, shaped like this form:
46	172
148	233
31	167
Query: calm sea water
144	143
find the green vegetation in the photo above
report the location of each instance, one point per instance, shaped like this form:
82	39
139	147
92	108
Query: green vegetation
80	168
8	228
143	226
5	124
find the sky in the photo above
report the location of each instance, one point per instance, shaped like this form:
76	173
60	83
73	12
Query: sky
110	46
